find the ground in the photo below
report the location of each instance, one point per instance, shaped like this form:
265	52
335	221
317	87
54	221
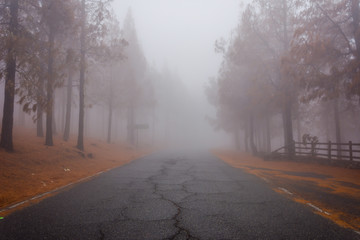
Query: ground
332	192
173	195
35	169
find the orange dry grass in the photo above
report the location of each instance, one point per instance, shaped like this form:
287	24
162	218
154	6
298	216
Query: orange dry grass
35	168
307	181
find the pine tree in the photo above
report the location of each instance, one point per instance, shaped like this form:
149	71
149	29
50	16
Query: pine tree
10	72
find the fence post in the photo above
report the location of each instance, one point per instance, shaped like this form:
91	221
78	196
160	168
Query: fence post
329	150
350	151
312	149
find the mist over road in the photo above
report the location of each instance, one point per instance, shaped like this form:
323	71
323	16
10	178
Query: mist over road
171	195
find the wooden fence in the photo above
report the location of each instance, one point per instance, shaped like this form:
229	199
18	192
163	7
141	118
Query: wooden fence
332	151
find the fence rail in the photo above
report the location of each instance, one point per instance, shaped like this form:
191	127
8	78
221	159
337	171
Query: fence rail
333	151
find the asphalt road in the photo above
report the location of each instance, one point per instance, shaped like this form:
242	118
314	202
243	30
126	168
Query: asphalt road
171	195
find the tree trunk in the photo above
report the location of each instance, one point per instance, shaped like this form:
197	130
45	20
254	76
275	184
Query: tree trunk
80	140
130	124
153	116
63	110
10	72
268	134
298	123
262	137
337	126
285	26
328	128
54	120
40	109
109	123
252	144
257	134
237	138
49	92
298	129
246	136
287	111
110	109
68	108
355	12
288	131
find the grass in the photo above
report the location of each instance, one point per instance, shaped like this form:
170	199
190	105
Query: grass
335	190
35	168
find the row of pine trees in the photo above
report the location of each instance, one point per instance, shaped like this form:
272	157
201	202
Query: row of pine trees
48	44
291	62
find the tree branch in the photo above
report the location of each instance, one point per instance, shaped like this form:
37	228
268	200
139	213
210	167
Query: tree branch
336	25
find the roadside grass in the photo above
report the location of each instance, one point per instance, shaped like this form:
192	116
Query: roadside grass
34	168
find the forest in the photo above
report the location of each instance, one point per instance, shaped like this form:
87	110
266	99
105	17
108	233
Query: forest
70	68
290	72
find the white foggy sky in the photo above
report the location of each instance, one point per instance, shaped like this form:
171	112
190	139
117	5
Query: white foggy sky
181	33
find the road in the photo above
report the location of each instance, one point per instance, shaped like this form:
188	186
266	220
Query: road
171	195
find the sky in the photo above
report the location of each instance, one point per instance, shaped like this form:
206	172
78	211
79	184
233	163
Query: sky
180	34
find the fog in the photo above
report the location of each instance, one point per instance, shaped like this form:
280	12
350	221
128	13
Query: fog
126	109
184	73
172	51
179	36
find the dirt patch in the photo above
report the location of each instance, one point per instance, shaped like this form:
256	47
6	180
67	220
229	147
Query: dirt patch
334	190
34	168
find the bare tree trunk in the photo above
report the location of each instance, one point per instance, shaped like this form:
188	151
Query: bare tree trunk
49	92
68	107
10	72
80	141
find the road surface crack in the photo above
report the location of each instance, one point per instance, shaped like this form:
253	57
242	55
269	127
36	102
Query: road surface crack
102	235
176	217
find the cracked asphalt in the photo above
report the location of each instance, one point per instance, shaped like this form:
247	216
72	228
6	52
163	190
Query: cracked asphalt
171	195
